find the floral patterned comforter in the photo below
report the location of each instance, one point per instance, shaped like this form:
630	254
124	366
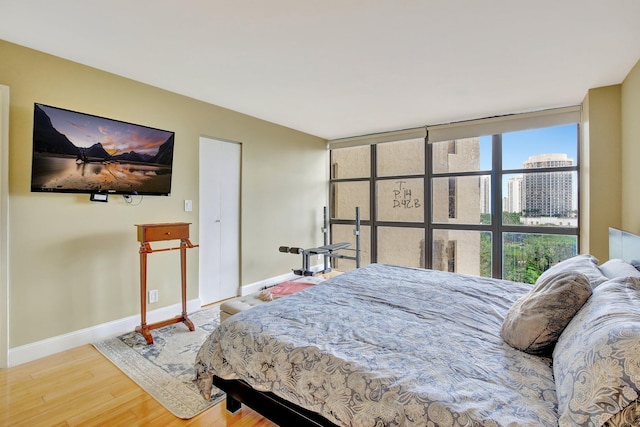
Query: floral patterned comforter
388	345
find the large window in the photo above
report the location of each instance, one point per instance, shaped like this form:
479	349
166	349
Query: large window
501	203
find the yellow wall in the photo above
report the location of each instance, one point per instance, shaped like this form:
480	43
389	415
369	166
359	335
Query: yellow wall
74	263
600	177
610	162
631	151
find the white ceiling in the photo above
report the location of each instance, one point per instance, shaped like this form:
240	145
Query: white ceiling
339	68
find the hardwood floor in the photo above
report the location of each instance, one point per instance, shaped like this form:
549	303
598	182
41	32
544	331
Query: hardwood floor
81	387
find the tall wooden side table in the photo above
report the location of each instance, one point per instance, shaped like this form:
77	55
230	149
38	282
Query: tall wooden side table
148	233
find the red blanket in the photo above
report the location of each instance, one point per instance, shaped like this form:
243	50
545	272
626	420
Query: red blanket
283	289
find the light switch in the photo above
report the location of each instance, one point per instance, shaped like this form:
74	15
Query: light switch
188	205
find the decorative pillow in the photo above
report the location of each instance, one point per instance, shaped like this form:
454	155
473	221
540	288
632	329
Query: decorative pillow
618	268
628	417
585	264
596	362
536	320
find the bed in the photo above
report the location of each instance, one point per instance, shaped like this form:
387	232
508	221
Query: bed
386	345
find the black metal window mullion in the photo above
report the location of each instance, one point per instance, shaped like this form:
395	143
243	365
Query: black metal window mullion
428	212
496	206
373	213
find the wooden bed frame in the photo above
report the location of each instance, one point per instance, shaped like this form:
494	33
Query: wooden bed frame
622	245
269	405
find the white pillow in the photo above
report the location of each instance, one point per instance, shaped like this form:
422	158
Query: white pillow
585	264
615	268
596	361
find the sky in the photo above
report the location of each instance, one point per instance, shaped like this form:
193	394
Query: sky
116	137
517	147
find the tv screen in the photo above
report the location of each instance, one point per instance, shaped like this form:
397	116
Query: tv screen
81	153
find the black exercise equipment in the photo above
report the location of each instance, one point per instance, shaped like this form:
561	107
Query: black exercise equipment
327	250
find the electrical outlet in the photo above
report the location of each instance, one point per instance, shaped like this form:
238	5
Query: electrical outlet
153	296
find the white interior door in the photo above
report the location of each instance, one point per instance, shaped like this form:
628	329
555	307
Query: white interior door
219	220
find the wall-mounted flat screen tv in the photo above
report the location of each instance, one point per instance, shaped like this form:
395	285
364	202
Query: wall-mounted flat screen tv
81	153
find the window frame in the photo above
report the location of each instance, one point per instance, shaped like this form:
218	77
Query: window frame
543	119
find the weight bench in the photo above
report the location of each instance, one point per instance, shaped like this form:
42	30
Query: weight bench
325	250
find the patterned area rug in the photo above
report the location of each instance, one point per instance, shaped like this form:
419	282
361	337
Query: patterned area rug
164	369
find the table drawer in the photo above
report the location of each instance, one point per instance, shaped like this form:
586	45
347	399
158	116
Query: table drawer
156	232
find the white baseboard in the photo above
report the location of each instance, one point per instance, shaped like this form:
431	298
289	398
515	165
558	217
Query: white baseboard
263	284
32	351
49	346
